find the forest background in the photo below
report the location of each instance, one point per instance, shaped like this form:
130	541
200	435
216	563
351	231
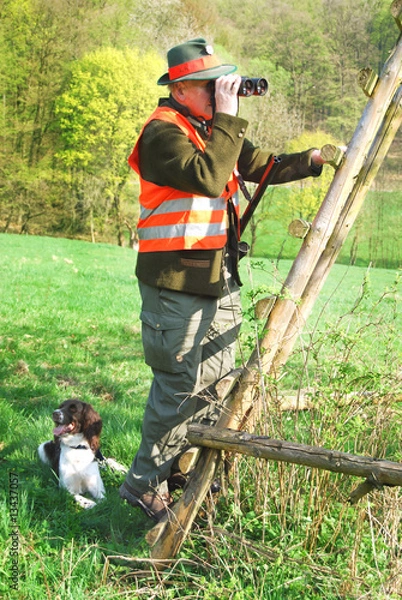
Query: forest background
78	78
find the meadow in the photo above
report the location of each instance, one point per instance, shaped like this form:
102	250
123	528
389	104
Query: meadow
69	327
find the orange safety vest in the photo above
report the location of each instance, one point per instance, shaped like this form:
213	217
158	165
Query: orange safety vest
174	220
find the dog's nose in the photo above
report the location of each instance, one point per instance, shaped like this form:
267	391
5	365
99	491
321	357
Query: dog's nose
58	416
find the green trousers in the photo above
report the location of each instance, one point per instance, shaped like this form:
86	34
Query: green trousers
189	342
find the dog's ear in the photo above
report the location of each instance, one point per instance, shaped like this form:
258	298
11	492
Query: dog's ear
92	427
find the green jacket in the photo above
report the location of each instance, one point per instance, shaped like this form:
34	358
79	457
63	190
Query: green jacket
167	157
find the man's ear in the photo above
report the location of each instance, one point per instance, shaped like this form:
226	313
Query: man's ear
179	91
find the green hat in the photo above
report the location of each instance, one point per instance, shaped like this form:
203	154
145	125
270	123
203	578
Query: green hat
193	60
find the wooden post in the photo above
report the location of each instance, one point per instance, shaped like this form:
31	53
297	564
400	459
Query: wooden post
279	331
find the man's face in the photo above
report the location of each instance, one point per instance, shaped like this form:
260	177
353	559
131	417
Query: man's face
196	96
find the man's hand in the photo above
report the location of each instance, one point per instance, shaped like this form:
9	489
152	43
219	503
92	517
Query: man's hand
226	99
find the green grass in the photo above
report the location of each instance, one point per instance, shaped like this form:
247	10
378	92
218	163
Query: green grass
69	319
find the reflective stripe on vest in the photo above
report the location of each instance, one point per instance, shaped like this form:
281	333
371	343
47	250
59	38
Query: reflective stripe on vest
174	220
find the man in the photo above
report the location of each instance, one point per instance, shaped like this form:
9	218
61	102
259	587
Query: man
190	156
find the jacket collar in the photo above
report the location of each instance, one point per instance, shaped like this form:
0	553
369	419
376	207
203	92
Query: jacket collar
202	126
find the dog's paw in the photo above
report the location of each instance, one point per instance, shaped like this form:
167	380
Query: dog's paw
84	502
115	466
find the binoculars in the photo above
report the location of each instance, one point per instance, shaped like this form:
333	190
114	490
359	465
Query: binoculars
249	86
253	86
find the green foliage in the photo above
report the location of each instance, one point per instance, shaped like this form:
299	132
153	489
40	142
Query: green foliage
100	115
109	95
39	41
375	235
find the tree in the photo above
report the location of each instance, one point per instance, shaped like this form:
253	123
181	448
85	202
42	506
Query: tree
111	92
39	38
273	121
161	24
381	33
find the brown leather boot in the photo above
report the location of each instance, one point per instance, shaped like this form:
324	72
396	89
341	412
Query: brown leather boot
154	504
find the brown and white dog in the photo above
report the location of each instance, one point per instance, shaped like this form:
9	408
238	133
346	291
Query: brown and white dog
74	452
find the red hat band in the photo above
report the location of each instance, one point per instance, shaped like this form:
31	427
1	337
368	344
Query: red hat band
194	66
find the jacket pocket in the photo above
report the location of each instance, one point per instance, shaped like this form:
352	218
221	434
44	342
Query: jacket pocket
162	338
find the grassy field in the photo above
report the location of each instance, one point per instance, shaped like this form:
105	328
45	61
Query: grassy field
69	318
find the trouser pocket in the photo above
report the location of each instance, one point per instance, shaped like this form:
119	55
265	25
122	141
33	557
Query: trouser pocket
163	339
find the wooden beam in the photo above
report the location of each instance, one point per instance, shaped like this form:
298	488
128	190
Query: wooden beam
367	80
299	228
173	528
383	472
264	306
